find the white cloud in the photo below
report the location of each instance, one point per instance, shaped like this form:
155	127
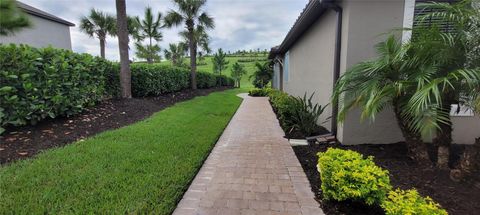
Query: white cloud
240	24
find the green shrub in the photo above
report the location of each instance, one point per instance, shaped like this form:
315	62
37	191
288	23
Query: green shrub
223	80
206	80
260	92
304	115
347	175
40	83
155	79
409	202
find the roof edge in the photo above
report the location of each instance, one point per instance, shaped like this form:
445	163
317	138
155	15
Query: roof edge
40	13
310	14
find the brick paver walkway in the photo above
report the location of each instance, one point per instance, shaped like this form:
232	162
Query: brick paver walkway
251	170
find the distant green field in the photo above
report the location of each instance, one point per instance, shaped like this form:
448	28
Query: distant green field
207	66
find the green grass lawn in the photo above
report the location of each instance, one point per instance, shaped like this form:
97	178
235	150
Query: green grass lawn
249	67
144	167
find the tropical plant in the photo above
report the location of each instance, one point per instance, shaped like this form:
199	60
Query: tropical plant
219	62
98	24
148	29
263	75
11	18
238	71
305	115
175	53
379	83
122	32
449	76
190	12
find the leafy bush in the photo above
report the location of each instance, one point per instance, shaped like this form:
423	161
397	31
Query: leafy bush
400	202
304	115
40	83
206	80
155	79
347	175
262	92
223	80
262	75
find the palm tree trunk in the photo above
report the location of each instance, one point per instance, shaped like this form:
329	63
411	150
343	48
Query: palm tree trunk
150	54
469	163
193	59
443	140
417	149
125	74
102	47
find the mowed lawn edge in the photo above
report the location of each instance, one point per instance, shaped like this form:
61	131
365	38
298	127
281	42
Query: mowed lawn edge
144	167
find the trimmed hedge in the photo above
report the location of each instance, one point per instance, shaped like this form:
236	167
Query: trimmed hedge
400	202
347	175
40	83
48	82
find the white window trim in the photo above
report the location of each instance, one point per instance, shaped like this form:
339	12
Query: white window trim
408	16
464	111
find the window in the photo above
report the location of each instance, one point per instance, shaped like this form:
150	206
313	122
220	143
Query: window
420	11
286	67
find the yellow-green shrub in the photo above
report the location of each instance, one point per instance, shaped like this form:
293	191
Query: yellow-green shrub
409	202
347	175
259	92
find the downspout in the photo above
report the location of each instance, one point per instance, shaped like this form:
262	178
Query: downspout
337	59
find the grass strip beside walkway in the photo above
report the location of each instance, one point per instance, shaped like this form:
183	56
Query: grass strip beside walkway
144	167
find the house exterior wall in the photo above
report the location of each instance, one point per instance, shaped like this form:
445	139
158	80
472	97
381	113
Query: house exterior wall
365	25
310	64
465	129
43	33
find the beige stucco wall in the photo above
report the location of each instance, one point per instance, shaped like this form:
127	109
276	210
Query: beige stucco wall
364	22
465	129
43	33
311	64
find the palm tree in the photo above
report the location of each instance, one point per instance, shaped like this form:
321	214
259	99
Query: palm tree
122	31
452	77
175	53
196	21
98	24
11	18
149	28
263	75
238	71
379	83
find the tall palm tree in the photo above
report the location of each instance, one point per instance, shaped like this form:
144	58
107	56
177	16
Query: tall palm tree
98	24
149	28
175	53
196	21
11	18
122	31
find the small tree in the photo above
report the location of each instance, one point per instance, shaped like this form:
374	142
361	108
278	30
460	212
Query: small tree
11	18
219	62
263	75
175	53
98	24
149	29
238	70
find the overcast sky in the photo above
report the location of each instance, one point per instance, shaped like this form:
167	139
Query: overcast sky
240	24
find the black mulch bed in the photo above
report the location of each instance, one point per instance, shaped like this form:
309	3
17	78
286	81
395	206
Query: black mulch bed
22	142
459	198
